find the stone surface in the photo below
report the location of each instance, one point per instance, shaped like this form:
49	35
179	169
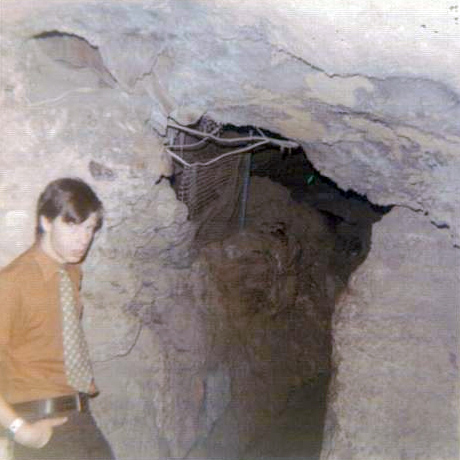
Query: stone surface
395	393
307	72
370	90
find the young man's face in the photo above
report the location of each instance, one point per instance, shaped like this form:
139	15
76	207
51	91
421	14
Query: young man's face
66	242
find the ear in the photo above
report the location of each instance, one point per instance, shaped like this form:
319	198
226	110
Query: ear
45	224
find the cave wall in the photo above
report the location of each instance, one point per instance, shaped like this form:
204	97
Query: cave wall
395	392
370	91
97	137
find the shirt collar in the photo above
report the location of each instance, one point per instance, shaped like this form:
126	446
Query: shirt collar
48	266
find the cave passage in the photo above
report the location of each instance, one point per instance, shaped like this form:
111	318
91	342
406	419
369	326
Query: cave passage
325	233
297	433
348	215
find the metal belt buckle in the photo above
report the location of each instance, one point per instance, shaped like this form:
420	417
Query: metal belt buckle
48	407
78	402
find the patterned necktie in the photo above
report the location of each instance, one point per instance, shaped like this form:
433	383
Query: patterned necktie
76	356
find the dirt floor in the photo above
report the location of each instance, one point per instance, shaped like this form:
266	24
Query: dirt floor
298	431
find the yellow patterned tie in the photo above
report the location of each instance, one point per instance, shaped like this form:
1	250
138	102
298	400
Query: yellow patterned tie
76	355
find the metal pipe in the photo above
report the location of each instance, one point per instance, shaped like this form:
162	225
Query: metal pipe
245	190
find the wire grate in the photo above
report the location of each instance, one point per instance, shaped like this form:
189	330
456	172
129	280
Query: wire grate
210	175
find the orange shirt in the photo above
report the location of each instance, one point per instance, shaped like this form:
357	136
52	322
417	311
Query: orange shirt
31	347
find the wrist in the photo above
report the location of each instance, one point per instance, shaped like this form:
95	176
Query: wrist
15	425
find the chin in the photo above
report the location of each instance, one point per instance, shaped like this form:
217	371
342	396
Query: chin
74	259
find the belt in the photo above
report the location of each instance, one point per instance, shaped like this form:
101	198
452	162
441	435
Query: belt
44	407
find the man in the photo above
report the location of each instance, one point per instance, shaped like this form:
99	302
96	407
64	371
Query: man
45	373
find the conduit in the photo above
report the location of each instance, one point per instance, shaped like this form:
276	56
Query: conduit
257	141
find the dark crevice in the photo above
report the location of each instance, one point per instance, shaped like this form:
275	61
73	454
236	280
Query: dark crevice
323	262
440	225
350	215
58	34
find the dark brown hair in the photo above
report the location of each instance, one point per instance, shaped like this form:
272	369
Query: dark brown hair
70	198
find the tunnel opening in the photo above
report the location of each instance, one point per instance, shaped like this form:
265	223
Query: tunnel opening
288	267
346	213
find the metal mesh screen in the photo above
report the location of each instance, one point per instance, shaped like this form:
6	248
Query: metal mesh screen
212	195
212	175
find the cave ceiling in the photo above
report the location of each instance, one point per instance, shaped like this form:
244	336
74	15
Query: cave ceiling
370	90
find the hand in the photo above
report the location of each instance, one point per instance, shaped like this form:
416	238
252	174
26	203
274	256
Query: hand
93	390
38	434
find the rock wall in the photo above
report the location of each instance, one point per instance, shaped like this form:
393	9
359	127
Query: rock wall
97	137
395	393
94	132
